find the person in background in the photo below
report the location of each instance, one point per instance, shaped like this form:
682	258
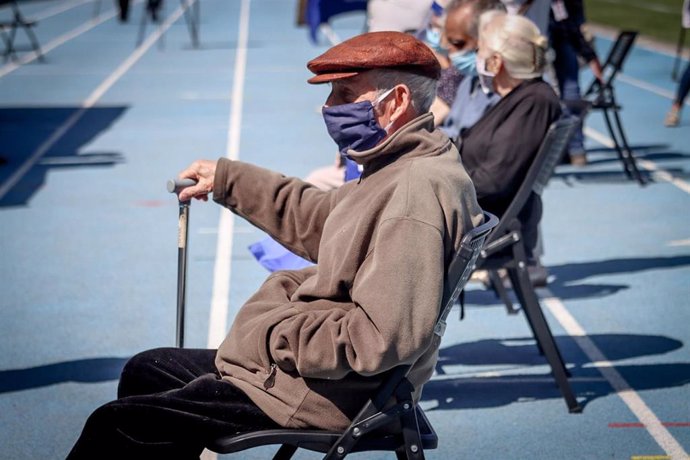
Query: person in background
499	149
673	116
461	33
397	15
568	42
536	11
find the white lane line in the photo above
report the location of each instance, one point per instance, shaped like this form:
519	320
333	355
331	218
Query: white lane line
88	103
220	298
50	12
218	317
649	87
51	45
657	172
631	399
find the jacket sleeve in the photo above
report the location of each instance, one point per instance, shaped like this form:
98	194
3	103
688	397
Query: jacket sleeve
512	148
396	299
290	210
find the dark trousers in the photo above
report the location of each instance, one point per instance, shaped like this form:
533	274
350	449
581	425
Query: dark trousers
683	87
170	402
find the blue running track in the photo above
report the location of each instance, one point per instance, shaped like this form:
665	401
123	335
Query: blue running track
88	237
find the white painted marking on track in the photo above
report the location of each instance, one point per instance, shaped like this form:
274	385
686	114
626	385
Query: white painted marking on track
89	102
649	87
631	399
657	172
61	40
218	317
222	270
50	12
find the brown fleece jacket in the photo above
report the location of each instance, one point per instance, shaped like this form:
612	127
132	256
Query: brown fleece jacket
310	346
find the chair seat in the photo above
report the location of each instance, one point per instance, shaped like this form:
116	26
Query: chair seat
321	440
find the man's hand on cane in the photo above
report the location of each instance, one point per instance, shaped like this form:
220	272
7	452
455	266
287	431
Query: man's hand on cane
202	171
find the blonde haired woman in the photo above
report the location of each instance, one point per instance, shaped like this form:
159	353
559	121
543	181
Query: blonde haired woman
498	150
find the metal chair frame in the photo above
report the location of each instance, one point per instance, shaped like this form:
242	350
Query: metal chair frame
507	237
8	32
407	430
601	96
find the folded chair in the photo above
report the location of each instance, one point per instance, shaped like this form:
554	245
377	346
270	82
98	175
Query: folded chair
391	419
505	249
601	96
8	31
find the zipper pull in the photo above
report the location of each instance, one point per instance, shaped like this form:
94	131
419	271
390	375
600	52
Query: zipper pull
271	380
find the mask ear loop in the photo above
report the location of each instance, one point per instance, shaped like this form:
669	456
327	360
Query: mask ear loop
378	100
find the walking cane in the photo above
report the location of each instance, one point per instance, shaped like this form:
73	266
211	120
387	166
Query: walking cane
176	186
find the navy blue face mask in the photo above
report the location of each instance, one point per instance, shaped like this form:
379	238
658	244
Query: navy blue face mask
354	126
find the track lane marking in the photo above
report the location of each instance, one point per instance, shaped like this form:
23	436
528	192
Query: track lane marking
631	399
61	40
89	102
657	171
218	315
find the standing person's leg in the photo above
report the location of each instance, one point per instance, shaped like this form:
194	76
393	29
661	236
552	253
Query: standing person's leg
673	116
175	422
567	71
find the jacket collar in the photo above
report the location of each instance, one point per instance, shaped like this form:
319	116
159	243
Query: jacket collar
414	139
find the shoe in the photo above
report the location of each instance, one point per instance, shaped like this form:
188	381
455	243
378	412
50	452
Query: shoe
672	118
578	159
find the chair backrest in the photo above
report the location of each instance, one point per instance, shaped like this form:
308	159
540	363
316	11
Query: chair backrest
615	59
462	266
547	158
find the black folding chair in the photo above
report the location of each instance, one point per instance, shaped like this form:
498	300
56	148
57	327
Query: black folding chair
8	31
505	249
391	419
601	96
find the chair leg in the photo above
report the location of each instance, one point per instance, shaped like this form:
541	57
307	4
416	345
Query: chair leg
512	274
142	27
34	43
8	45
626	149
616	144
501	292
413	442
285	452
530	303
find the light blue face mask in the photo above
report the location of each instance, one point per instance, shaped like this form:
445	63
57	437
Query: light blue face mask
432	37
464	61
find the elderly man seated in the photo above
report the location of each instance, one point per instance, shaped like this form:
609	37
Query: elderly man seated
310	346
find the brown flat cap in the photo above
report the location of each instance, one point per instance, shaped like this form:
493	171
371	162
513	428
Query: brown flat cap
374	50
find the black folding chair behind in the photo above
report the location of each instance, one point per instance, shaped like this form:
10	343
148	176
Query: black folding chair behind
8	31
407	430
601	96
505	249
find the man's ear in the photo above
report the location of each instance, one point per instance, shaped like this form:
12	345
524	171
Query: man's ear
403	101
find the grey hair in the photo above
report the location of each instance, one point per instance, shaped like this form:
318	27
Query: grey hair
480	6
422	88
